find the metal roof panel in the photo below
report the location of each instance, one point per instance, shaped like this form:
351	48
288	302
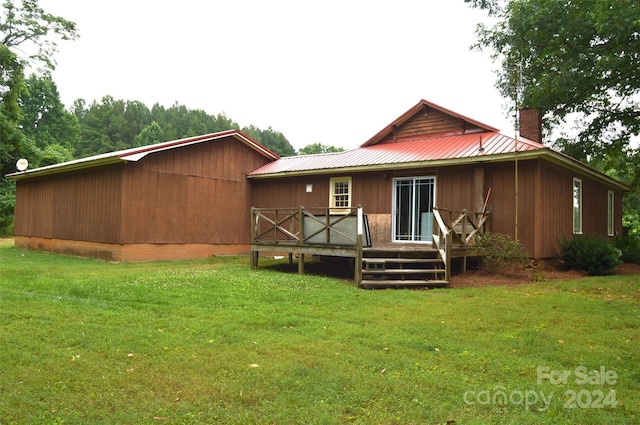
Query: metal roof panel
409	150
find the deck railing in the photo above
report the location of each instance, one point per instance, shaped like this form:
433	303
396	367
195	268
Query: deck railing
306	226
456	228
308	229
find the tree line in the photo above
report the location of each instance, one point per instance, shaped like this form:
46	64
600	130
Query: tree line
111	124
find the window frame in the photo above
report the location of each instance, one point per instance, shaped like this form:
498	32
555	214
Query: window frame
340	209
577	206
611	198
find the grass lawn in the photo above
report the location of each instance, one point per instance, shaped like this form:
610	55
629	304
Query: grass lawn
211	341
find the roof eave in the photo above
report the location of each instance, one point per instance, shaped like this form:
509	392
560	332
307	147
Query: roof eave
71	166
546	153
582	169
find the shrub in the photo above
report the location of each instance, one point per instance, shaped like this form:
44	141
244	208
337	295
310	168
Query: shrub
629	245
595	255
498	252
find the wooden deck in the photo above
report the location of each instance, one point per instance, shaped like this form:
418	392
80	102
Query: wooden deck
322	232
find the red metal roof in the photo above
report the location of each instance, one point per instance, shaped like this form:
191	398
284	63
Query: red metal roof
409	150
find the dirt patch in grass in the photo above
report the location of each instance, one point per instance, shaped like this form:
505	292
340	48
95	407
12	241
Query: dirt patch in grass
537	273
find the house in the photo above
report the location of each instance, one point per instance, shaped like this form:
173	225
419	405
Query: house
193	197
431	156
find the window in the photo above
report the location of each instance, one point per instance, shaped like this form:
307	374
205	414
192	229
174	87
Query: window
610	201
340	193
577	206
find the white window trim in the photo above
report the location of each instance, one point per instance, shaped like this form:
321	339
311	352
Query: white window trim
332	195
573	199
611	198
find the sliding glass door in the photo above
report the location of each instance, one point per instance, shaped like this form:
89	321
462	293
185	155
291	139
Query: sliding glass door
413	201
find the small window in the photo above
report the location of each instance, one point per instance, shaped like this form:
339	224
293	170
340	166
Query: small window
340	194
610	202
577	206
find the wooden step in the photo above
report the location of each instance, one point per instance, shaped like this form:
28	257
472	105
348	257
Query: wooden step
379	260
407	283
401	271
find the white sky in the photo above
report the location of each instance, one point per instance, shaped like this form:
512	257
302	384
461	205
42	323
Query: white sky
334	72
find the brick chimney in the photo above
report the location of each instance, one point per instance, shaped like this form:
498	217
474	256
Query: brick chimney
531	124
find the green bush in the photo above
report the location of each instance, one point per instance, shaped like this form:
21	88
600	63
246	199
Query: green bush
629	245
595	255
499	252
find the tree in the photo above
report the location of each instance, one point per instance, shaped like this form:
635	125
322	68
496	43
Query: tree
579	58
53	130
149	135
27	25
13	140
315	148
110	125
271	139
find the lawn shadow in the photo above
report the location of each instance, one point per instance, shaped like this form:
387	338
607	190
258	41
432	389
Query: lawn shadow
334	267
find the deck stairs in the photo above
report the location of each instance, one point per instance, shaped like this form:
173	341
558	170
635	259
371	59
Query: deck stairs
395	267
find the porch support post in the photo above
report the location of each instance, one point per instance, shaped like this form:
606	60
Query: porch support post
254	258
357	272
301	263
478	188
448	251
254	225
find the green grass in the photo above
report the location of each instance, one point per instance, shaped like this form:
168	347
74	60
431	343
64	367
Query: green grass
211	341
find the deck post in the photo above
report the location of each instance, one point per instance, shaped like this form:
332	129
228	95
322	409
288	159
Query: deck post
447	267
291	258
300	263
301	224
357	273
253	254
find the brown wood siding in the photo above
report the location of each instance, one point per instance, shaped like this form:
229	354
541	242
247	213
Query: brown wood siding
500	178
595	209
290	193
371	190
455	188
435	122
545	200
197	194
82	205
555	208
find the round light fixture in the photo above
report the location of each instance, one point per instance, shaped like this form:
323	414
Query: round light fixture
22	164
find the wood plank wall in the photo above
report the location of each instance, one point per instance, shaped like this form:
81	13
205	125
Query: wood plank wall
545	199
500	177
433	122
81	205
196	194
371	190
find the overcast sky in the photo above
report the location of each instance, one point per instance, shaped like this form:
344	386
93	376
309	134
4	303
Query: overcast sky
334	72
